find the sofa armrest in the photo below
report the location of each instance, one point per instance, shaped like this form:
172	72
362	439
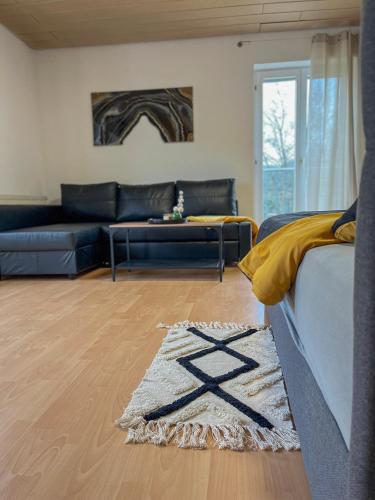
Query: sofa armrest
17	216
244	231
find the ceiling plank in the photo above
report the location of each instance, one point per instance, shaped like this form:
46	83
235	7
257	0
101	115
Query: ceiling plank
110	12
305	25
92	37
310	5
330	14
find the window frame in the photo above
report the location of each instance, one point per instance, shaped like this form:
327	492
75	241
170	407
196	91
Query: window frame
300	71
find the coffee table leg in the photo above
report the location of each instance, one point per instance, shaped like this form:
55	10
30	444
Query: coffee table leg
113	264
128	249
221	253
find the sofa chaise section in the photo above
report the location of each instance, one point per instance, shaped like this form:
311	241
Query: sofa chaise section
63	248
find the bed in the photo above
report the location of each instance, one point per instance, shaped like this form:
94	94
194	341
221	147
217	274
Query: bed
313	330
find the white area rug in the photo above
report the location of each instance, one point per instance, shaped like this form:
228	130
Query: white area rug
213	380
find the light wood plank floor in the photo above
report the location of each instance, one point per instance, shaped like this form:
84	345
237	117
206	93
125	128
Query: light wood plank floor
72	352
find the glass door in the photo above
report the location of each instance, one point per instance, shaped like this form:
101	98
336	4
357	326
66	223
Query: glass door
280	127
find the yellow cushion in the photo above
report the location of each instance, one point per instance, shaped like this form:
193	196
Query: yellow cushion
347	232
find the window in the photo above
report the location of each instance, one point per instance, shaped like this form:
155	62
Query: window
281	98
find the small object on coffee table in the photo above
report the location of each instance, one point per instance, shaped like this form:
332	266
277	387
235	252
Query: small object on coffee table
176	214
166	221
180	202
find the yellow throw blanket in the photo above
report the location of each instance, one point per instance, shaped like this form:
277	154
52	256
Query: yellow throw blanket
273	263
227	219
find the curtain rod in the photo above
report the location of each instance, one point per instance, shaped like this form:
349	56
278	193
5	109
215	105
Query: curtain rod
352	29
241	43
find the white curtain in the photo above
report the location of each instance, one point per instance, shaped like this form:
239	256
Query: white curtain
334	143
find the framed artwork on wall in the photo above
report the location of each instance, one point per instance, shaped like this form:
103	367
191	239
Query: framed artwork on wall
115	114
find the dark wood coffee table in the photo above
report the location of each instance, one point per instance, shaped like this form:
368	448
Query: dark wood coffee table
129	264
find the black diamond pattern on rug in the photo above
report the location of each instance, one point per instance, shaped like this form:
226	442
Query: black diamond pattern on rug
212	384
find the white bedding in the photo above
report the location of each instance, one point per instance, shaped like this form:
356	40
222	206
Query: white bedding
320	307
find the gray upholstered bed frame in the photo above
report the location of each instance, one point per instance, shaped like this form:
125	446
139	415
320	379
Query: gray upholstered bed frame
336	473
324	451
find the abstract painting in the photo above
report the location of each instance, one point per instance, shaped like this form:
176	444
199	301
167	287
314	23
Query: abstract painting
115	114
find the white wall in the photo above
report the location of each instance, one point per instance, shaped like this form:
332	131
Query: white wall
219	71
20	145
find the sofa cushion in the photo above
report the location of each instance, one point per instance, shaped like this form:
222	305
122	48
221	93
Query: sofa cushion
214	197
89	201
140	202
16	216
53	237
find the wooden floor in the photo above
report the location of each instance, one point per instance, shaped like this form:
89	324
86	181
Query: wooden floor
72	352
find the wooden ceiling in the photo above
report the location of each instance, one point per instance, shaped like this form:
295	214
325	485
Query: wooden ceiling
44	24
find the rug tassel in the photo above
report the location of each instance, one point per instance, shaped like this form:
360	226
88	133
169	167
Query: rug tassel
183	436
137	434
233	437
288	438
213	325
203	437
195	439
216	436
271	439
194	435
159	436
254	440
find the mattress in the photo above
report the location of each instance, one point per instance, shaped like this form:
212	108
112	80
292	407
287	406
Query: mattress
319	310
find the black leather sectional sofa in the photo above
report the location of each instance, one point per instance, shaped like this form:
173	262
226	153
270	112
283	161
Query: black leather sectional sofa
73	237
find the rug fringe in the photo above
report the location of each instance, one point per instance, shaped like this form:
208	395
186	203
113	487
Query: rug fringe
194	435
213	325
